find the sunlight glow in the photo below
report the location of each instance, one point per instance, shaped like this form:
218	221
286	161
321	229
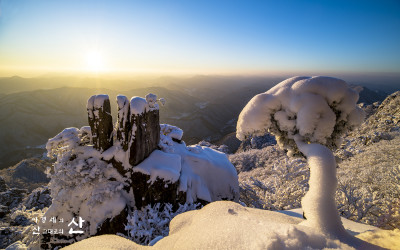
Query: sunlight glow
95	61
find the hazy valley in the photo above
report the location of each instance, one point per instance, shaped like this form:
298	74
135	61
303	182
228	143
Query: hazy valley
205	107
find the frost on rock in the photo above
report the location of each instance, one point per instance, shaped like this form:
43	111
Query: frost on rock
152	222
171	131
100	121
101	175
204	173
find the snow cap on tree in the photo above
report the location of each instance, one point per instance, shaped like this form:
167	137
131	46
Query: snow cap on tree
320	109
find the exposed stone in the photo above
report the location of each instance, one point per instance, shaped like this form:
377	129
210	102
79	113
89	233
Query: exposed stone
123	125
257	142
9	235
3	211
27	174
100	121
21	220
144	140
159	191
12	197
139	135
38	199
114	225
3	185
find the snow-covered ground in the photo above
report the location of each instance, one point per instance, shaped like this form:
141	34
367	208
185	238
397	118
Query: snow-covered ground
228	225
368	192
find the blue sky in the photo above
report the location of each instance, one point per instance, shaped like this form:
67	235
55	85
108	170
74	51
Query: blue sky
209	37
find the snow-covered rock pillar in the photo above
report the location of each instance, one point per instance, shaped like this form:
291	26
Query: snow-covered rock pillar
123	125
145	132
138	127
100	121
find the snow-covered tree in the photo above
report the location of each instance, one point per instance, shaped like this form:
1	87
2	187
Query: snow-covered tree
308	116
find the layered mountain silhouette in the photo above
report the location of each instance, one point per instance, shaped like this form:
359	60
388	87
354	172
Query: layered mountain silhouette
205	107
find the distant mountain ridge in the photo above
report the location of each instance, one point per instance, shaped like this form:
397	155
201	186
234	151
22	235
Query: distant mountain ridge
28	174
206	108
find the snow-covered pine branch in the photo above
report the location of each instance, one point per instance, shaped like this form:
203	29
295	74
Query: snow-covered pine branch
308	115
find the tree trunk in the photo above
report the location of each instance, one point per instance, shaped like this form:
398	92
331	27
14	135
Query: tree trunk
319	204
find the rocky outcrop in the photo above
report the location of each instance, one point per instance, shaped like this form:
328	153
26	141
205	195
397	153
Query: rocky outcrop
10	197
27	174
386	119
387	116
257	142
9	235
382	123
137	163
38	199
138	132
100	121
3	185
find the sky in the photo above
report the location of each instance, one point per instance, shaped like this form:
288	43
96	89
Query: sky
199	37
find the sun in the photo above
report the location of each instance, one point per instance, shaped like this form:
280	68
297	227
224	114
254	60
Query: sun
94	61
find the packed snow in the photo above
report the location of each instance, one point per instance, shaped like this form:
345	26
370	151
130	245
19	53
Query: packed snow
228	225
161	165
206	173
140	105
171	131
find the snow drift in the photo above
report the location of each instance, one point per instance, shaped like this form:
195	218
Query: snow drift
228	225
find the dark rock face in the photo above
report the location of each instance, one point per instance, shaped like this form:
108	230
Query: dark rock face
124	124
145	136
3	185
157	192
9	235
12	197
257	142
114	225
21	220
100	121
3	211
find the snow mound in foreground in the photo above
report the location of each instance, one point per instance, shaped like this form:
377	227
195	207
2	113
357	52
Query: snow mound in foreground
228	225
